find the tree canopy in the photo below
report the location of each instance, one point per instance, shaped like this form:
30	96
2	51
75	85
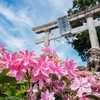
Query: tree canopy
83	42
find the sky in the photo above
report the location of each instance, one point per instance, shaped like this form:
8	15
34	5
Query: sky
17	17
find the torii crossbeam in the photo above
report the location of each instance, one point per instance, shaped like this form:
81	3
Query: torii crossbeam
90	25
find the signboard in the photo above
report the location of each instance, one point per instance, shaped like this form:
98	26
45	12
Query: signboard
64	25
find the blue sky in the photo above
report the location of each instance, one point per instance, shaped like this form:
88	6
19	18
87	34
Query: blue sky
17	17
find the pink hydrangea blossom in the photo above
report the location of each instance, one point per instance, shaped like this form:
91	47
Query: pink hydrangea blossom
84	98
70	97
70	67
81	85
18	70
33	90
47	96
58	69
48	50
83	73
96	88
42	66
8	59
40	78
27	58
2	49
41	71
57	86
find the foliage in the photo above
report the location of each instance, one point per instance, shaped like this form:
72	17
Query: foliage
83	42
23	76
93	97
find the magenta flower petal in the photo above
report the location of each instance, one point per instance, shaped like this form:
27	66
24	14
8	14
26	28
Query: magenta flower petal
19	76
47	96
81	85
41	84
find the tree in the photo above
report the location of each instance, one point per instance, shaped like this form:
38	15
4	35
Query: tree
83	42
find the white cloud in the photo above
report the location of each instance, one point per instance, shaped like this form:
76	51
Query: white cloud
60	5
21	28
15	16
12	42
15	27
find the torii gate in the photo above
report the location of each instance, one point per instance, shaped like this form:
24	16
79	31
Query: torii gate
90	25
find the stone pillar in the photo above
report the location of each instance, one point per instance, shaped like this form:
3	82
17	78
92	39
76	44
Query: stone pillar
46	40
94	52
92	32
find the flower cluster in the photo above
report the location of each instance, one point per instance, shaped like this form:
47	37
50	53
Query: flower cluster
49	77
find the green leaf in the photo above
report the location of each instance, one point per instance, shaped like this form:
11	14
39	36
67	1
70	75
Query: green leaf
13	98
7	79
93	97
20	83
71	91
8	93
20	93
1	98
53	77
3	73
92	70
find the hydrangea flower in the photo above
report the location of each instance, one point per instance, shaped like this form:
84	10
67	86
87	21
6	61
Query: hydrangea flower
47	96
2	49
70	67
47	50
81	85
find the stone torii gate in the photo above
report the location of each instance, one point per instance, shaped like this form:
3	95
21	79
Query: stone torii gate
90	25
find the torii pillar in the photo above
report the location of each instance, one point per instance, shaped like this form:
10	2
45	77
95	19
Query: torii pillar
46	38
92	32
94	52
